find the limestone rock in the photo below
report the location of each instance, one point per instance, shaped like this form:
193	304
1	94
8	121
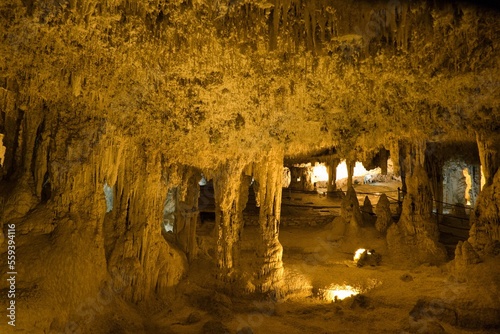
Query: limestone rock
245	330
465	255
383	213
350	212
193	318
214	327
415	237
367	212
485	225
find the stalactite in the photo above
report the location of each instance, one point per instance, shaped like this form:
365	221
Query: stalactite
268	174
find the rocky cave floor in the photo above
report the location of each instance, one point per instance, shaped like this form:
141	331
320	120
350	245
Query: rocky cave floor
393	299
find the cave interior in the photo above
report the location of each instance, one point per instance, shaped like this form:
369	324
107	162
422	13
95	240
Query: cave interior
249	166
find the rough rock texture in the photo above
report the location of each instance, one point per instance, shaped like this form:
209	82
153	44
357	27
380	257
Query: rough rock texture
268	174
350	212
331	166
180	210
231	194
465	255
383	213
485	224
415	238
118	92
367	212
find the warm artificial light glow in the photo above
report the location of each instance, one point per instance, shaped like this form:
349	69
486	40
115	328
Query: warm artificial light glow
359	170
483	179
468	182
340	292
319	173
358	253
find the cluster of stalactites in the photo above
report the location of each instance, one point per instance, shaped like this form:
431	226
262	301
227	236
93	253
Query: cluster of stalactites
231	185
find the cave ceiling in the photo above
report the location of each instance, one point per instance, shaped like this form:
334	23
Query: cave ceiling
206	81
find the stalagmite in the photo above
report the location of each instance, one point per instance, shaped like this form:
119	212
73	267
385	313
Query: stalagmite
134	242
367	212
383	213
111	110
351	213
414	239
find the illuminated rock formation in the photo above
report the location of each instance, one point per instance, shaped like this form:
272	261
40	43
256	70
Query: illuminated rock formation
383	213
141	96
414	239
268	175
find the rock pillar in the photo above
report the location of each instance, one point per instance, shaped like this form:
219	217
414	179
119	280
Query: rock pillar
231	195
350	163
268	174
414	239
489	154
331	166
186	212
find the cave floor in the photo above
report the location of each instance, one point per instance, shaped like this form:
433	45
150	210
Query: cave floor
389	292
313	262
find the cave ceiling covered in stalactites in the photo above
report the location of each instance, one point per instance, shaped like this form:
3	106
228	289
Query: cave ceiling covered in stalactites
203	81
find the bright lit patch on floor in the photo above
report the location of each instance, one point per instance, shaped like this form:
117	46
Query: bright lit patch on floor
359	253
339	292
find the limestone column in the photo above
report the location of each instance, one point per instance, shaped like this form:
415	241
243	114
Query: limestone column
484	235
231	194
415	238
489	154
186	212
268	174
350	163
434	167
331	165
383	157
